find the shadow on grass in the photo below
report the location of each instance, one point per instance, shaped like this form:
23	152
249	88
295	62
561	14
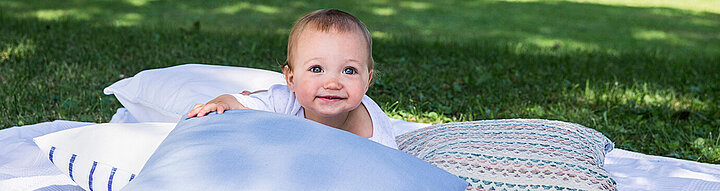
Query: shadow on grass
566	25
485	60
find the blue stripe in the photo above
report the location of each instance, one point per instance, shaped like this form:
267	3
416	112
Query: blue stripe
52	150
92	170
72	160
112	174
131	177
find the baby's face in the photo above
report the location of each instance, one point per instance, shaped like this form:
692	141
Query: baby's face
329	71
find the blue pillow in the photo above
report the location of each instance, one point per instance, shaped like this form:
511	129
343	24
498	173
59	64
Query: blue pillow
257	150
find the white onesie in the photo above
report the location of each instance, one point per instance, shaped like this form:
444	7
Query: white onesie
280	99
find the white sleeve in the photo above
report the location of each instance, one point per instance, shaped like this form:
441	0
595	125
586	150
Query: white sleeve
257	101
382	127
278	99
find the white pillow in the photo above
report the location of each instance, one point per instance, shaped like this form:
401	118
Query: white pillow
167	94
103	156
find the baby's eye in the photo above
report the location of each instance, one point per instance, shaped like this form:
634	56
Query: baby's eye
316	69
349	71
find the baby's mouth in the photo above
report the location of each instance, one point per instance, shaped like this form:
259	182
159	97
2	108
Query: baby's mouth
330	98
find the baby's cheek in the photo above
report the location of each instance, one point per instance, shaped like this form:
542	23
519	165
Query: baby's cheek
356	97
302	96
358	89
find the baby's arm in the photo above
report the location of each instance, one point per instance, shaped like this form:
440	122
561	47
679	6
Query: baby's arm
219	104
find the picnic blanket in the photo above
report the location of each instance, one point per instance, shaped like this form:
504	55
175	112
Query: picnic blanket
24	167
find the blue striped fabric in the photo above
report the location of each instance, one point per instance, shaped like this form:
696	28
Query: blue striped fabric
72	160
90	178
92	171
52	150
85	170
112	174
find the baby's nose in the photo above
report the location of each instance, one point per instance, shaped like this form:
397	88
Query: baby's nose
332	83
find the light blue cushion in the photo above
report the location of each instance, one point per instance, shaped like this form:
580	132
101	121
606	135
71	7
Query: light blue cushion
256	150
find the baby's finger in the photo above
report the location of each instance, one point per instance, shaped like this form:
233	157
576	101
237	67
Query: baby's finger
207	109
220	109
192	112
195	110
202	111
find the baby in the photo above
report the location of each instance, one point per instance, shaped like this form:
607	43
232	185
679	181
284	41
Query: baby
328	70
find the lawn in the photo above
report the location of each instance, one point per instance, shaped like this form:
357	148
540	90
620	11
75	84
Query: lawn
644	73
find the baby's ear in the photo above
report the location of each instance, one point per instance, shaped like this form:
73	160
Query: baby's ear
370	79
289	77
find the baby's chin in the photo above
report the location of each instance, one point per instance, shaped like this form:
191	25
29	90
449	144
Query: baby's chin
328	112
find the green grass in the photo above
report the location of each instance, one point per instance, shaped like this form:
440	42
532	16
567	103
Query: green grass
644	73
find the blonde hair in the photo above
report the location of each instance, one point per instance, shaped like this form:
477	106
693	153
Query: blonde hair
325	20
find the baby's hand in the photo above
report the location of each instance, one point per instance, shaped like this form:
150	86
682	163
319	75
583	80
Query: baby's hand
219	104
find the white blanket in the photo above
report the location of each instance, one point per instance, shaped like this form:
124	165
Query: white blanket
24	167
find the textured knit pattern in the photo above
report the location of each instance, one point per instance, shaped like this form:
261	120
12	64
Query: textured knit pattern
515	154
